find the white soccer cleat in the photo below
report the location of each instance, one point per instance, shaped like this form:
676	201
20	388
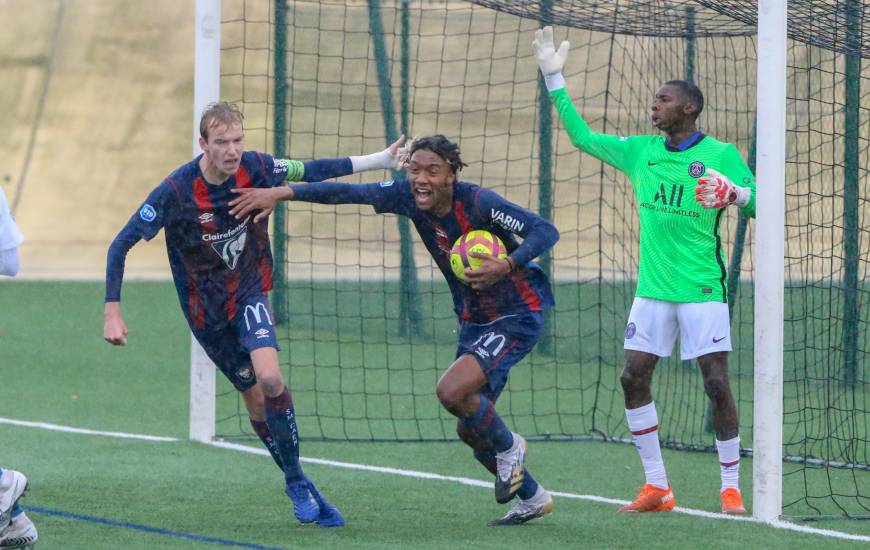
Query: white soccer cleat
526	510
21	533
12	486
510	470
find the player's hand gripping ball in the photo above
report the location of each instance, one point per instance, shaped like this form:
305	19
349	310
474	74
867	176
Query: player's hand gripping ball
480	241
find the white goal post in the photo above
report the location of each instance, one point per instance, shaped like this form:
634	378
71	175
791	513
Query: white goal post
206	89
769	260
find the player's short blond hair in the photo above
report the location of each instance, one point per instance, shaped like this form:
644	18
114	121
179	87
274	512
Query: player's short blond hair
221	113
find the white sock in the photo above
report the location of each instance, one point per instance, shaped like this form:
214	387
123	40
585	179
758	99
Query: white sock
729	462
541	496
644	425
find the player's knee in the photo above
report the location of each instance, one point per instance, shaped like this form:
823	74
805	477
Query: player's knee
272	384
447	397
631	381
451	399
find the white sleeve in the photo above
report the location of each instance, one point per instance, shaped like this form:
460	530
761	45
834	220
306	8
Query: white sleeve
9	262
10	235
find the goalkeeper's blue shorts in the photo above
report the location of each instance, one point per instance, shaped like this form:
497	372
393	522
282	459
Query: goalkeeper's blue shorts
230	346
499	345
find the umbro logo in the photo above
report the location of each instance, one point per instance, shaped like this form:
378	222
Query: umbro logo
206	217
262	333
717	340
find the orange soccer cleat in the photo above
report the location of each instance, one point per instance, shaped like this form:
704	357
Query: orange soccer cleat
651	499
732	501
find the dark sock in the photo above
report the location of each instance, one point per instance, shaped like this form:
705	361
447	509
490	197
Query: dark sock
281	419
262	431
529	487
483	452
489	426
487	458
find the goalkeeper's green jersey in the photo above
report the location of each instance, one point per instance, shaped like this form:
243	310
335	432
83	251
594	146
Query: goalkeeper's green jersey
681	256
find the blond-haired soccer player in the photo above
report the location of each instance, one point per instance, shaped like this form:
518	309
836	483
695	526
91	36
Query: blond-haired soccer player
681	286
222	269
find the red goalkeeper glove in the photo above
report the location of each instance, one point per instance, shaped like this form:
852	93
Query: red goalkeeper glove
715	190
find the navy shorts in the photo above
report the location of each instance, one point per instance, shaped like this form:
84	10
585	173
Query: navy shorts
499	345
230	346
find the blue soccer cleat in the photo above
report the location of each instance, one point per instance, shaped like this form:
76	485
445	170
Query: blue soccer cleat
305	508
329	514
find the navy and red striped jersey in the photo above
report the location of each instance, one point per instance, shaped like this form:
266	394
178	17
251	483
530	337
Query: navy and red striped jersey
216	260
526	289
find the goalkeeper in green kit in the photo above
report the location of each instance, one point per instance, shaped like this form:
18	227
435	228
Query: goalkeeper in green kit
681	286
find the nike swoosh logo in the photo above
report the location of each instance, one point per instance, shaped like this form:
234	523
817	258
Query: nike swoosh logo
648	163
717	340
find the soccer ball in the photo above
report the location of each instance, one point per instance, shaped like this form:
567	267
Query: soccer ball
478	240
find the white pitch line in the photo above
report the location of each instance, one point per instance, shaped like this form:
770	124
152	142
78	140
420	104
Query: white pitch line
778	524
59	428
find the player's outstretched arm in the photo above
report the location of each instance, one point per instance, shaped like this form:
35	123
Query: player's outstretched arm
322	192
613	150
264	200
391	158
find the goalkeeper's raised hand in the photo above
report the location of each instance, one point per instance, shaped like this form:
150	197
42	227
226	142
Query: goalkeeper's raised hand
549	59
715	190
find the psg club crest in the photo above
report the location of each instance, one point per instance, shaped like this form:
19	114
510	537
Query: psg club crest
697	169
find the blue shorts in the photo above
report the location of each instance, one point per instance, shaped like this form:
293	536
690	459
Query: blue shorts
231	345
499	345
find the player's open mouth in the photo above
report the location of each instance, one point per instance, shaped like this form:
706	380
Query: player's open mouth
422	195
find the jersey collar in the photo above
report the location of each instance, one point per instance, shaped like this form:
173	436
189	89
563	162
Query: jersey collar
688	143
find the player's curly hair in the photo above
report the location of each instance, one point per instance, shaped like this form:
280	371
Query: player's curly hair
691	91
220	113
442	147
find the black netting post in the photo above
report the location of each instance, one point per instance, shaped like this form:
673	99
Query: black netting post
410	319
279	248
851	158
690	44
545	179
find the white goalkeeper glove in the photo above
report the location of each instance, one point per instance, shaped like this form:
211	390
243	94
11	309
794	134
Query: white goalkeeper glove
391	158
549	59
715	190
